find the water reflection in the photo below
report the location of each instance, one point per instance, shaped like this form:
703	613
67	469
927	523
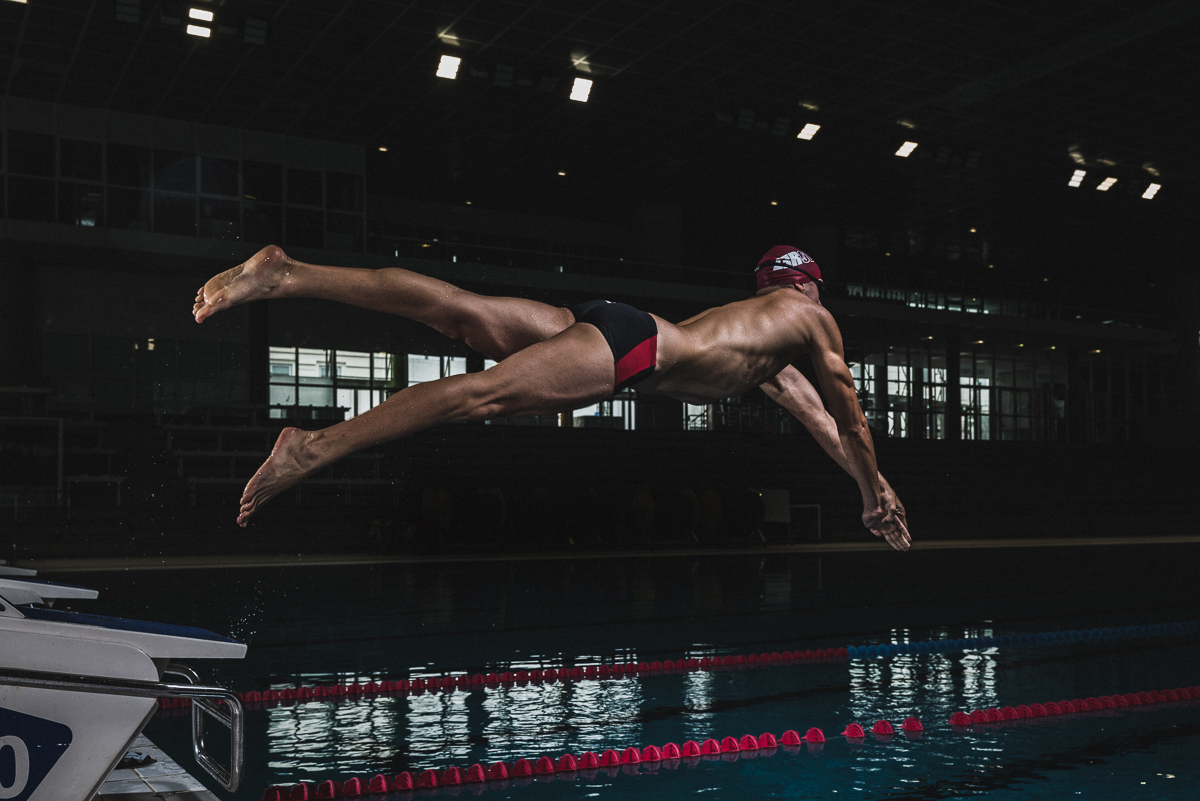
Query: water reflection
892	688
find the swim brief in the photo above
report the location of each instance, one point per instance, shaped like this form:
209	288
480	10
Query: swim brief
632	336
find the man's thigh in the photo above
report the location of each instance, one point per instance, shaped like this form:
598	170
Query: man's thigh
499	327
570	370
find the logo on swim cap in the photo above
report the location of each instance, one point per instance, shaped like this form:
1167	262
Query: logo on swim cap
786	264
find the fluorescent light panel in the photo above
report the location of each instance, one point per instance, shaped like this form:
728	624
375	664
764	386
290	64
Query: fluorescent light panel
448	67
906	149
199	30
581	89
1077	178
202	14
1106	184
1151	191
808	131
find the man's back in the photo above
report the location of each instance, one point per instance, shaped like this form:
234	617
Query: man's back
727	350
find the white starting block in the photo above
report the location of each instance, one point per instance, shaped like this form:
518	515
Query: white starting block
77	689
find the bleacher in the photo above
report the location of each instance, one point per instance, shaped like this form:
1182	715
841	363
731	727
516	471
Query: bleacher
174	482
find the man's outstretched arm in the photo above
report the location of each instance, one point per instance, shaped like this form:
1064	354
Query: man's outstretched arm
853	435
795	393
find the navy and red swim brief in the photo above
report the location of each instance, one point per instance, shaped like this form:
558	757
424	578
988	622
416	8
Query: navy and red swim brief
632	336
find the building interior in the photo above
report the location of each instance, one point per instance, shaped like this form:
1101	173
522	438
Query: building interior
1002	200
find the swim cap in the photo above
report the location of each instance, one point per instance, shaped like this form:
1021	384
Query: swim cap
786	264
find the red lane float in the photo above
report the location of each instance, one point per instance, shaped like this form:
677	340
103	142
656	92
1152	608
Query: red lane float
470	682
671	754
1076	706
690	751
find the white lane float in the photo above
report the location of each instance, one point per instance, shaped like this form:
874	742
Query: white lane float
77	689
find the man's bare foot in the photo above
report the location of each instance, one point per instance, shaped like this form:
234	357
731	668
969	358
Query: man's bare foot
261	276
286	466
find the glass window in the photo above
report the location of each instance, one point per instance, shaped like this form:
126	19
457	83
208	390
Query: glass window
353	381
129	165
975	396
30	199
343	231
80	160
263	222
218	176
262	182
128	209
304	187
174	215
899	389
31	153
423	368
696	418
174	171
935	396
343	192
80	204
220	219
305	228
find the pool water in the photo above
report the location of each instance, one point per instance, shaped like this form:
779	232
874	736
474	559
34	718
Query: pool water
327	626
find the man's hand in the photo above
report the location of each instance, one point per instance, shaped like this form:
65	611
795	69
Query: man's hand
890	525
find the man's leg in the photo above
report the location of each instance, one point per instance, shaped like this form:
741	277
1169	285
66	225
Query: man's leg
568	371
495	326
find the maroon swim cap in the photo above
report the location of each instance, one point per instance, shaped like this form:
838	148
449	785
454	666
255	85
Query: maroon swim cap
786	264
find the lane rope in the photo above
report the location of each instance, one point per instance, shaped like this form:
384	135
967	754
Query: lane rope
1038	638
468	682
589	764
1075	706
633	760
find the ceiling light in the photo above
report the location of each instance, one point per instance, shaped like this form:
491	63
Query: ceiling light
1094	351
1151	191
581	89
977	342
1077	178
774	202
906	124
1150	168
199	30
202	14
560	172
448	67
905	149
1076	156
1107	162
18	1
972	230
383	148
810	106
808	131
1106	184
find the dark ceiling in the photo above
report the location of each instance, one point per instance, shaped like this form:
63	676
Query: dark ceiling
693	102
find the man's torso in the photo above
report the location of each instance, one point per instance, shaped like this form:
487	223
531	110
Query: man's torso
732	348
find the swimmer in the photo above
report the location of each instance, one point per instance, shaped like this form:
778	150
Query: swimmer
552	359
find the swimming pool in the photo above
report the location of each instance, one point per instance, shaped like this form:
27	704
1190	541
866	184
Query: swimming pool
345	626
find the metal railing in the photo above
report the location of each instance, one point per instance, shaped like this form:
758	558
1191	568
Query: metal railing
204	703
